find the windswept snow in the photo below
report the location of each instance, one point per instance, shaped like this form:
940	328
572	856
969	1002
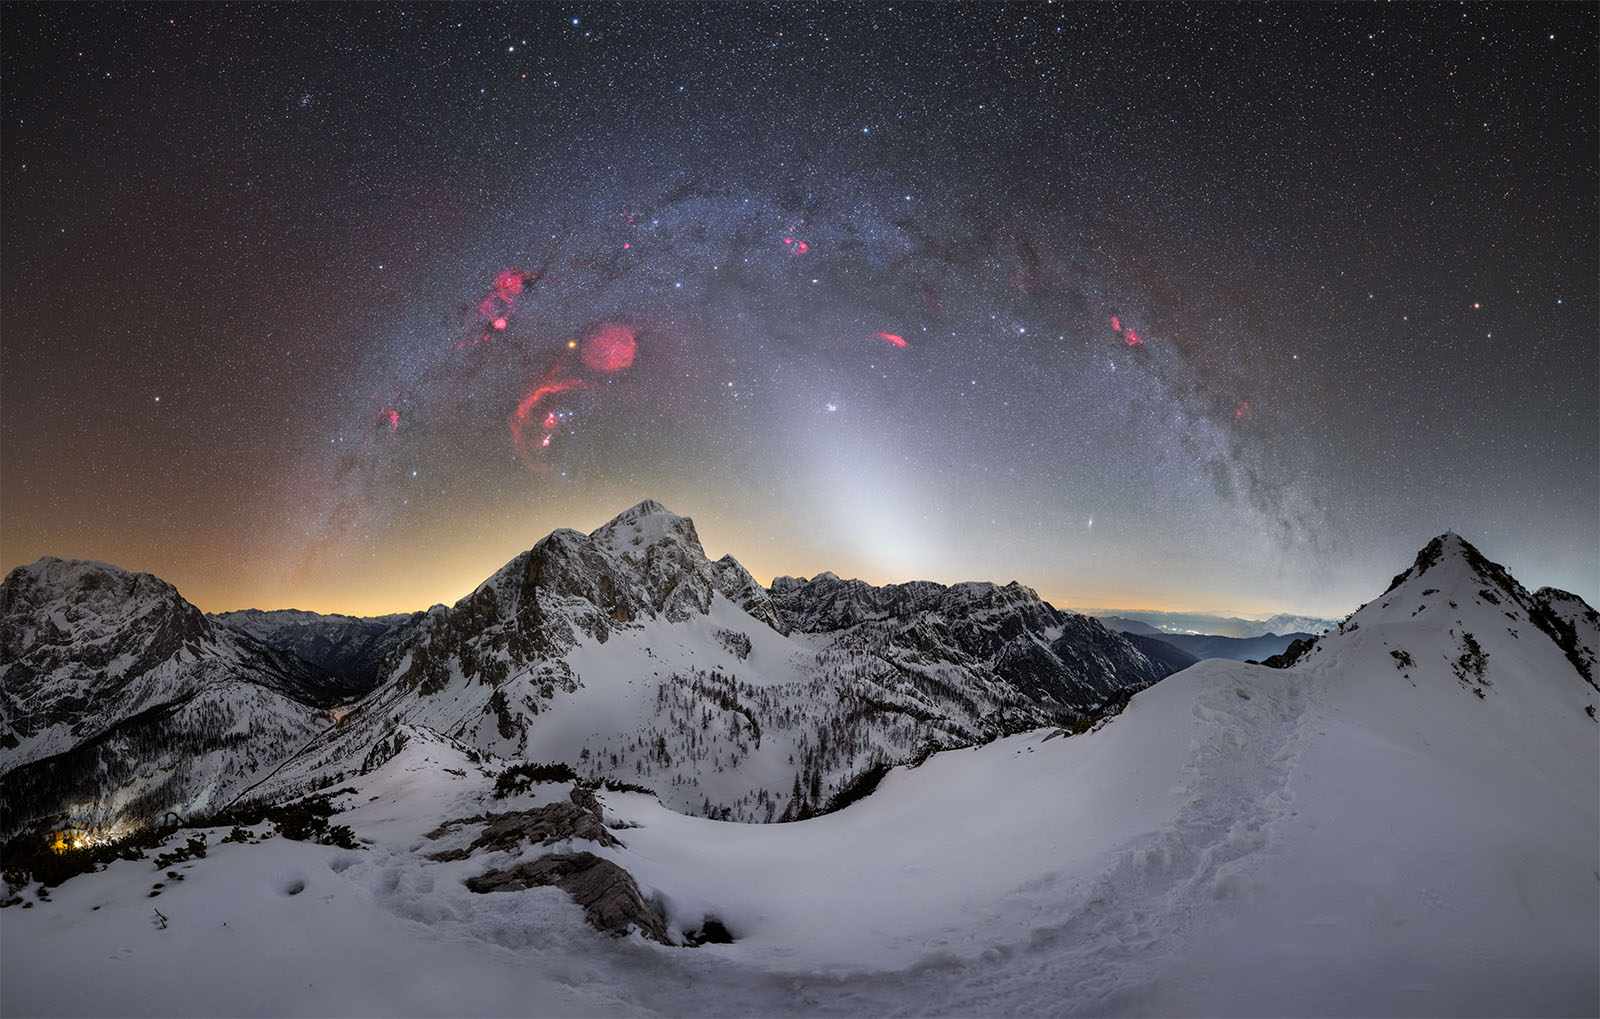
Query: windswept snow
1238	841
1406	822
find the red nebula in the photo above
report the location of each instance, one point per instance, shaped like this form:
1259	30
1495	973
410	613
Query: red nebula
390	417
1133	338
508	284
1116	323
610	348
500	323
799	247
523	416
1243	412
898	341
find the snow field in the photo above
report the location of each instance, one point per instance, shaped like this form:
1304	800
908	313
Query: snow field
1352	836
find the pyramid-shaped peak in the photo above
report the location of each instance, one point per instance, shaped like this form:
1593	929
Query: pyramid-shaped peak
645	508
643	525
1451	553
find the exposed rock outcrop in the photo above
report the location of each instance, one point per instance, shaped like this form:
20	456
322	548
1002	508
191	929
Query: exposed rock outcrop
547	825
608	894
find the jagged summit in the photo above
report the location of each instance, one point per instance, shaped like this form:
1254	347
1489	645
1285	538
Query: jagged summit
57	602
1459	595
1450	554
118	695
645	524
643	508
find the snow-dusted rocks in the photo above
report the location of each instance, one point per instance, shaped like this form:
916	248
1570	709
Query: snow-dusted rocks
1043	665
628	655
120	700
352	649
1365	832
607	893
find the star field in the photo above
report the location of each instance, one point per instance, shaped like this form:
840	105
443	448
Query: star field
1204	307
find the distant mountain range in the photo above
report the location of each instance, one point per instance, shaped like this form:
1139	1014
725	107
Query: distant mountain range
1153	622
1238	649
624	653
1399	816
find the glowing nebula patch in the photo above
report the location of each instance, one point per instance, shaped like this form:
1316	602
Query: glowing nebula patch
610	348
509	284
531	431
1129	337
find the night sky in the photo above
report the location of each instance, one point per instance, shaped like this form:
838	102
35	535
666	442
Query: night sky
1205	307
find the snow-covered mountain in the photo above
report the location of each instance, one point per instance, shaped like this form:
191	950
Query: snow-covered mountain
119	698
1159	649
625	653
1285	622
630	656
1404	821
353	648
1238	649
1202	624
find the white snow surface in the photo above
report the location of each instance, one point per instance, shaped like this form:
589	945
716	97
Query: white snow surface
1351	836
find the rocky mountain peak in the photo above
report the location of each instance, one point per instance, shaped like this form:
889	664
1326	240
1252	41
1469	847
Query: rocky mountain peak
643	525
1453	584
74	601
1451	559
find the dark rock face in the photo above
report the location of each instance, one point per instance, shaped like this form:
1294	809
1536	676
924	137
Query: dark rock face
349	648
608	894
1295	651
736	584
545	826
1573	625
1051	665
107	676
1160	650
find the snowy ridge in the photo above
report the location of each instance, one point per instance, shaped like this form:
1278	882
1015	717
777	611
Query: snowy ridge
628	655
119	698
1356	834
1403	822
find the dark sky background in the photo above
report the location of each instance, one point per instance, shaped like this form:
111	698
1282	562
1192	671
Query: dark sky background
1204	307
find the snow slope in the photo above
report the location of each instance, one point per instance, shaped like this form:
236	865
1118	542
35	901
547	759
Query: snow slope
1359	834
628	655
